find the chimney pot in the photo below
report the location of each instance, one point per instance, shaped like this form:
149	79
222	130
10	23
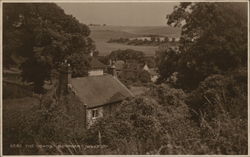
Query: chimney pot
64	78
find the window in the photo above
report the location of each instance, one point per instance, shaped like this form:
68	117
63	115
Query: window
95	113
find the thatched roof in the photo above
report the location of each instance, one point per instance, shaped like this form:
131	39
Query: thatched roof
96	91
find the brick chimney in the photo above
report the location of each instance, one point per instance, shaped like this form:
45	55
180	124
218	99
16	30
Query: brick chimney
64	79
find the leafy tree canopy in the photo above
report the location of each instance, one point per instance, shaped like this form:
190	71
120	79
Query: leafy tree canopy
213	40
38	36
127	54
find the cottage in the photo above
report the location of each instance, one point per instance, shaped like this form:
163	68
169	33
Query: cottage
152	72
99	93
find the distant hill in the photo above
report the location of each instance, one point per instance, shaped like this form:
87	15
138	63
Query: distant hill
107	34
101	34
154	30
139	30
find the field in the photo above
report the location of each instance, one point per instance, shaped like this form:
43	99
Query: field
101	34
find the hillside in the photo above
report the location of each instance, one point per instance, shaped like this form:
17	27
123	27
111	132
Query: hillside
101	34
140	30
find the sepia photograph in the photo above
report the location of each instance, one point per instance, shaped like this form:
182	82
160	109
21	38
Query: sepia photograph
124	78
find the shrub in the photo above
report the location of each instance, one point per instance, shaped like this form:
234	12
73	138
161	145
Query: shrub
54	120
135	123
220	108
218	93
151	123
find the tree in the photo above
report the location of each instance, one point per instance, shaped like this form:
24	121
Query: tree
213	39
127	54
41	34
80	62
167	62
144	76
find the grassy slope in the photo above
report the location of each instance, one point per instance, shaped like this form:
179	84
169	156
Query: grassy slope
102	34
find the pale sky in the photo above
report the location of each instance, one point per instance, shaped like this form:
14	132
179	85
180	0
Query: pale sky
121	14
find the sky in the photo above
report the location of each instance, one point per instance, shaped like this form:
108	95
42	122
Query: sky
120	14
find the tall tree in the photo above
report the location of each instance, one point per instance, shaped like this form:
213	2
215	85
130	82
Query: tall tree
213	39
38	36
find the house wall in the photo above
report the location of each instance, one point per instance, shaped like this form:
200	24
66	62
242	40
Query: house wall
146	68
162	39
177	39
154	78
96	72
90	119
104	111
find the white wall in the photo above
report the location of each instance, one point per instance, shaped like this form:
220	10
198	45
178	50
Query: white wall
154	78
96	72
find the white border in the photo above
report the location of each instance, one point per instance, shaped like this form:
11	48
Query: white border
113	1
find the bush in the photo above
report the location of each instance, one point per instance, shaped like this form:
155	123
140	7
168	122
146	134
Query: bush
217	94
54	120
219	106
149	124
144	77
135	124
225	135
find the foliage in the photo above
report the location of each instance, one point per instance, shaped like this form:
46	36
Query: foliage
39	36
134	76
225	134
80	62
213	40
167	62
144	76
219	106
137	124
14	110
218	93
153	40
149	123
127	54
175	131
53	121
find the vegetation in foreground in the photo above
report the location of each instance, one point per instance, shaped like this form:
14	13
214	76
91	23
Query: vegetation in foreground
199	105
